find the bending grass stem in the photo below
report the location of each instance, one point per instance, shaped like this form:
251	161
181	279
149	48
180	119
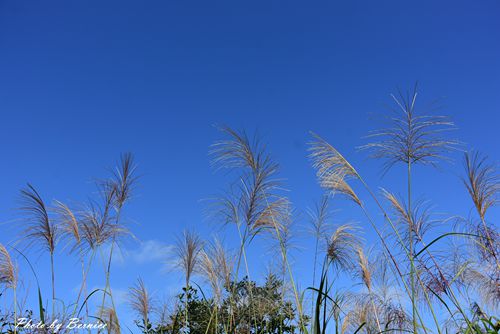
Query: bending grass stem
14	289
243	252
410	238
393	260
107	287
400	239
83	286
292	281
53	283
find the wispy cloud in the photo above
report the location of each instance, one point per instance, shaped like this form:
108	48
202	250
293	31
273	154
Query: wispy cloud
120	297
148	251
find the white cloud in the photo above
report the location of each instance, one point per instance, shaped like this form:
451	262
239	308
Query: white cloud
149	251
120	297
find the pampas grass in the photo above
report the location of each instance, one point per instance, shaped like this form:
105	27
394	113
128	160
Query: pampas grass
333	170
41	231
413	273
110	318
141	301
257	206
120	185
483	184
187	251
411	139
342	246
7	270
8	277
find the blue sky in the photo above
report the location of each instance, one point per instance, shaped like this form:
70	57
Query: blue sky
83	81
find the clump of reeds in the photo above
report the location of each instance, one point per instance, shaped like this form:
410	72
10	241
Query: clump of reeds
411	138
255	205
483	184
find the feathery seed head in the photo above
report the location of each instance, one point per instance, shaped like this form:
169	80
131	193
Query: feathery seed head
208	269
124	179
140	299
342	246
41	229
237	151
255	202
7	269
482	182
68	223
96	225
216	265
319	217
332	169
110	318
411	138
187	251
364	268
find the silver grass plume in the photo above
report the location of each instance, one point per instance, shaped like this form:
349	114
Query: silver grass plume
410	137
8	274
332	169
342	246
254	202
40	228
187	251
482	182
140	300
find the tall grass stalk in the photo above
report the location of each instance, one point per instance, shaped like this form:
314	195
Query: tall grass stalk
292	280
333	170
41	229
141	301
243	254
366	277
122	183
464	287
319	229
400	274
411	139
187	250
483	185
415	312
258	204
412	254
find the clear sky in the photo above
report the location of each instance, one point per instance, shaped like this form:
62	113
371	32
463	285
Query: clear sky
83	81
